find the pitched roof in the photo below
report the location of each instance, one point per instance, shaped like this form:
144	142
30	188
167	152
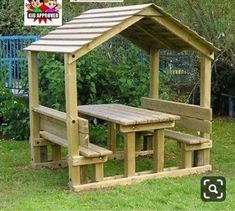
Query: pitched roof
147	26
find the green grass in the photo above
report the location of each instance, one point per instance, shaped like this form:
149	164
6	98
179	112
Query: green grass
24	188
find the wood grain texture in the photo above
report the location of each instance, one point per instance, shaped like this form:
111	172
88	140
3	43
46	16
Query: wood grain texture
129	154
182	109
125	115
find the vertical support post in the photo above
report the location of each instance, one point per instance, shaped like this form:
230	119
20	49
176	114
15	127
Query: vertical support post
158	150
202	156
112	137
154	86
38	154
129	154
98	170
72	118
56	152
138	142
154	73
186	160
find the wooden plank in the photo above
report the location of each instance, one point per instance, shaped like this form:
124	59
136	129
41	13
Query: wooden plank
148	143
181	109
116	9
72	118
107	14
58	128
56	152
87	152
185	138
138	142
154	73
187	37
142	127
112	137
38	154
129	154
158	150
50	48
81	161
89	25
98	20
98	170
102	151
125	115
137	179
106	36
205	101
58	115
202	146
61	42
186	160
50	165
53	126
80	31
53	138
70	36
205	82
156	37
120	154
195	124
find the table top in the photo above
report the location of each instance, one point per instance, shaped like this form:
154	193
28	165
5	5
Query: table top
125	115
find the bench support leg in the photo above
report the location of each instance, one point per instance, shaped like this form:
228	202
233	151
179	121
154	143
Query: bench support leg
158	150
98	170
148	143
112	139
56	152
138	147
186	158
129	156
83	176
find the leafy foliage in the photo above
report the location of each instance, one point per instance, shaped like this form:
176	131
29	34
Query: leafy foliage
14	120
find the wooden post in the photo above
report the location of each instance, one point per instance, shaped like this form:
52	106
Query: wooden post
202	157
154	86
154	73
158	150
56	152
138	147
72	118
112	137
186	160
129	156
98	171
38	154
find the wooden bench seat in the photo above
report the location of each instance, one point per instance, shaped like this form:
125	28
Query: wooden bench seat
93	150
185	138
89	151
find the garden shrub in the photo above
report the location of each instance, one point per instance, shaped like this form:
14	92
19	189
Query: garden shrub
14	116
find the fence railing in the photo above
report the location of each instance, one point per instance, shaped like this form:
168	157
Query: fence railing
13	60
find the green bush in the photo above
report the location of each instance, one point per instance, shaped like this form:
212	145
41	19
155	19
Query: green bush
14	118
116	72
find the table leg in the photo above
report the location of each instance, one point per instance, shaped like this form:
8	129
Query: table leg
158	150
112	137
129	154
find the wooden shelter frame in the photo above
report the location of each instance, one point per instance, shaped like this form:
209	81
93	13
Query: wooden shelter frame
80	36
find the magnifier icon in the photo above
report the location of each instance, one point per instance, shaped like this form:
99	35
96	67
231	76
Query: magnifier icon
213	189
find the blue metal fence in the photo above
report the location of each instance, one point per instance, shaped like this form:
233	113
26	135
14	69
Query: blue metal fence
13	60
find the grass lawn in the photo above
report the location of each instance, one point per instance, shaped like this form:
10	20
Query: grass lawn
24	188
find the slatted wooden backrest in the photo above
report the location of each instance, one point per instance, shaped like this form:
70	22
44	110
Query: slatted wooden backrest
54	122
192	116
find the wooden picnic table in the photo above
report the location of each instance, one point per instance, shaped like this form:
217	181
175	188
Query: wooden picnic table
130	120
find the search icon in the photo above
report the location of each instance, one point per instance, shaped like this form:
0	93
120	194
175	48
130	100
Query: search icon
213	189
